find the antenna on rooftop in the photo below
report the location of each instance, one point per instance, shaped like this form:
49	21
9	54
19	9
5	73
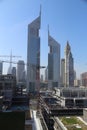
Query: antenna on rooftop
40	9
48	30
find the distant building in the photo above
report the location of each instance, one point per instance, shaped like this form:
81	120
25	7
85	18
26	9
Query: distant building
74	75
41	79
33	55
46	74
1	67
84	79
69	67
62	72
53	63
20	71
14	71
76	83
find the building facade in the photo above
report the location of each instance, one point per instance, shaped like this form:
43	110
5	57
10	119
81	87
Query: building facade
20	71
14	71
62	72
46	74
7	86
74	97
69	67
33	55
84	79
53	63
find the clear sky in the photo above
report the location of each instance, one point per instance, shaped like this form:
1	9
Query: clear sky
67	20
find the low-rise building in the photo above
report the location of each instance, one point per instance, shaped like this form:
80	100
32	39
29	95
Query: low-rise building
7	87
72	97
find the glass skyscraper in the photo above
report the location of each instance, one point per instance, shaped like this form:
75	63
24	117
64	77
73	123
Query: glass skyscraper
33	55
53	62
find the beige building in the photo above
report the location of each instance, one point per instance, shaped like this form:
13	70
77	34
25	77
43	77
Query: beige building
84	79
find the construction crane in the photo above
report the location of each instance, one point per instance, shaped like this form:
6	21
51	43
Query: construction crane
10	56
37	77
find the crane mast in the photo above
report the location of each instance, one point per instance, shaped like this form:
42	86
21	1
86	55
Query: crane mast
11	56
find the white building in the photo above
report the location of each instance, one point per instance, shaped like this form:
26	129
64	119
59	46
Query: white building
53	63
20	70
69	67
33	55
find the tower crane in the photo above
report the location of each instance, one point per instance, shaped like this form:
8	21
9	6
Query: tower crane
10	56
37	77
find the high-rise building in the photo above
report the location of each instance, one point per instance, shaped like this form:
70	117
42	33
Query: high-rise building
53	62
46	74
33	55
1	67
41	78
14	71
69	67
74	75
20	70
62	72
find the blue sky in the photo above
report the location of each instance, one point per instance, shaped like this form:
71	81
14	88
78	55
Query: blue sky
67	20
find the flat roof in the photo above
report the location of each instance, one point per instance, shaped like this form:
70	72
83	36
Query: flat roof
70	122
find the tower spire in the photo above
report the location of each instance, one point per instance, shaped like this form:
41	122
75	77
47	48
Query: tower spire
48	30
40	10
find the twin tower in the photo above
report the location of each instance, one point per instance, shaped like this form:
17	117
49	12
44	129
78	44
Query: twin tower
33	58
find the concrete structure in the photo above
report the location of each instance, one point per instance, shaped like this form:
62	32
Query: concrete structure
62	72
53	62
20	71
7	87
73	97
84	79
1	67
85	114
50	108
33	55
58	125
69	67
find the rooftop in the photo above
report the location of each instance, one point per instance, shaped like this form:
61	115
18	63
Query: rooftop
73	123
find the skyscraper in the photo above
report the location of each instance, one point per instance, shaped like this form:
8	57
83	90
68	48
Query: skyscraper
20	70
14	71
33	55
53	62
62	72
46	74
69	67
